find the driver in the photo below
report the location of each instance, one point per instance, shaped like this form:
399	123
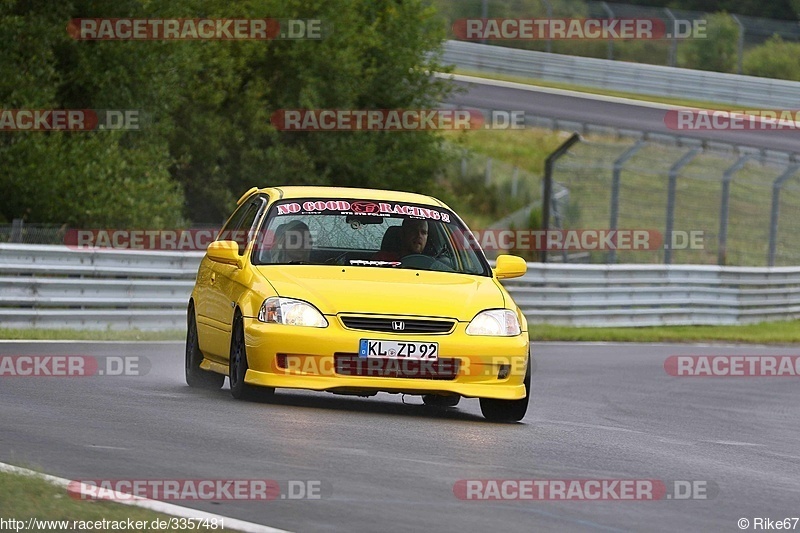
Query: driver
292	243
413	239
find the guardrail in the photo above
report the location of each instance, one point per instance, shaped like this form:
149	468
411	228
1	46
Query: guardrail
45	286
59	287
653	80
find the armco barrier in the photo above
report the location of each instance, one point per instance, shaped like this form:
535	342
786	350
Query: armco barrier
59	287
638	78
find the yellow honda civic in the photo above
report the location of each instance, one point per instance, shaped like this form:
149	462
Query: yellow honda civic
357	291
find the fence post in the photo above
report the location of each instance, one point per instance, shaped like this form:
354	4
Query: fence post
740	51
549	7
16	230
773	222
615	178
727	178
673	47
610	14
547	195
484	14
514	181
673	181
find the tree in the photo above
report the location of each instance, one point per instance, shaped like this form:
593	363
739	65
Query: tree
81	178
718	51
774	59
208	106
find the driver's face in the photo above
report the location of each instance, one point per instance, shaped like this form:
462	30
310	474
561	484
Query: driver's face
415	237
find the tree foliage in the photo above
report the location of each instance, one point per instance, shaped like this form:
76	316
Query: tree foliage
207	136
774	59
774	9
718	51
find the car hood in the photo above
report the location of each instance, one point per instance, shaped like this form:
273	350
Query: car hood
385	290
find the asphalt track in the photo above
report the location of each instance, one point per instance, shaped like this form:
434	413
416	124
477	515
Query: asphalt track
604	111
606	411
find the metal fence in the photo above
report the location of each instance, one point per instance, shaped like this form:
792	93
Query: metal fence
738	208
58	287
744	32
491	187
650	80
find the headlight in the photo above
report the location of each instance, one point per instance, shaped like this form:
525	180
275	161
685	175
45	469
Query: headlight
495	322
291	312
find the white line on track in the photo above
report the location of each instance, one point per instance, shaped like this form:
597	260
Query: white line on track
144	503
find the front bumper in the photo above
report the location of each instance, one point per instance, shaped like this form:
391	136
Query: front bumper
312	358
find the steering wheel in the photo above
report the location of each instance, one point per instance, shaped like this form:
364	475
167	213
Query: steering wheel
338	260
424	262
444	255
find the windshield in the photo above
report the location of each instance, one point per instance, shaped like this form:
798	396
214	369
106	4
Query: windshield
367	233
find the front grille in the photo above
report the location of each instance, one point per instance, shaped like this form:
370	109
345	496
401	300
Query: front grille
388	324
352	365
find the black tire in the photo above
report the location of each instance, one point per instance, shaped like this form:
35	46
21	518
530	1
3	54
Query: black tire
508	410
237	367
196	376
439	400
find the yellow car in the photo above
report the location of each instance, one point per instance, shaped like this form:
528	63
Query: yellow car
357	291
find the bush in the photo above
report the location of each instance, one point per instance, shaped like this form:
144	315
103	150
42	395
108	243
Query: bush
774	59
718	51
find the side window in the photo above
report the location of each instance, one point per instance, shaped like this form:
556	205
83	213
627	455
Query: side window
226	233
239	227
243	232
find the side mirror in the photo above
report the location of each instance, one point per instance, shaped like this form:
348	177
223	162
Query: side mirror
510	266
226	252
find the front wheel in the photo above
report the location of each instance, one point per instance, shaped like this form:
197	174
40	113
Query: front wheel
196	376
508	410
237	367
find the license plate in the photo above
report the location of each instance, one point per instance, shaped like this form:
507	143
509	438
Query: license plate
398	349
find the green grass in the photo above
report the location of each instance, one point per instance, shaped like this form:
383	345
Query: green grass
24	497
763	333
91	335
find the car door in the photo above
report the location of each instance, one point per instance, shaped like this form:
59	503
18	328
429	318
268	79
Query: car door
222	284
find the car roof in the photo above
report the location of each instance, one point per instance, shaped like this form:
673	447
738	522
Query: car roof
297	191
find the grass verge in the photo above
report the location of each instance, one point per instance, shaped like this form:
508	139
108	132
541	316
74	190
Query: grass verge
27	497
91	335
762	333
